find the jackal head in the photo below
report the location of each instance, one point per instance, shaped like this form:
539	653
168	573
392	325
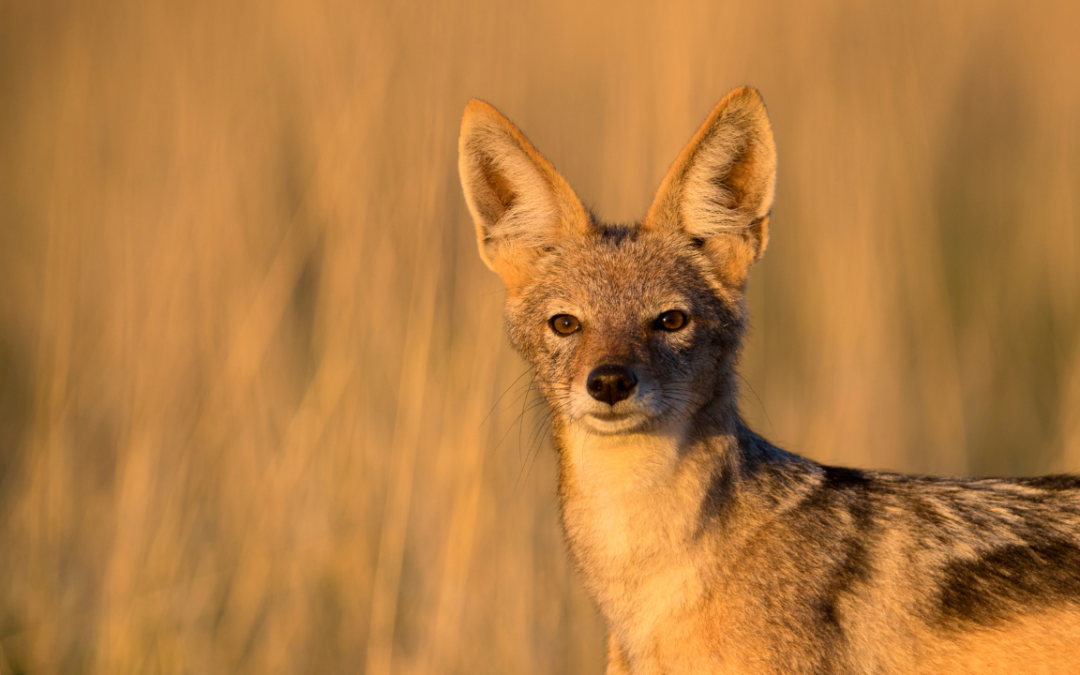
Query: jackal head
629	328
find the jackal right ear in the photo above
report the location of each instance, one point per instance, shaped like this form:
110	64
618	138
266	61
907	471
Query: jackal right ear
720	190
519	202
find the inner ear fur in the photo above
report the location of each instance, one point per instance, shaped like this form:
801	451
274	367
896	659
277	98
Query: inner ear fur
520	204
720	190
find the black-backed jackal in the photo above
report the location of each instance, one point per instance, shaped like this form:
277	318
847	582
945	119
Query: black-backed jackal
707	549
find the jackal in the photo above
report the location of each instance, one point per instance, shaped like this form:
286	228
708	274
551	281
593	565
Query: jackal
706	548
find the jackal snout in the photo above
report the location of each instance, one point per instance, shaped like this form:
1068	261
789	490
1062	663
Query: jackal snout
611	383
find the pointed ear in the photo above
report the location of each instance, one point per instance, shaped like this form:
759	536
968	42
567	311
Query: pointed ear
720	190
519	202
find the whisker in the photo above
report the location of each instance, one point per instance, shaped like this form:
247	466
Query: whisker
760	402
499	400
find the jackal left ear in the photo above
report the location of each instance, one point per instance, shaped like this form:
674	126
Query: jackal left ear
720	190
520	204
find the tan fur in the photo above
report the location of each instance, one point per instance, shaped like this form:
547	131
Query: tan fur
707	549
1037	644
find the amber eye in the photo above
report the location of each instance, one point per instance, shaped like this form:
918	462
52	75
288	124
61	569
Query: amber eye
564	324
671	320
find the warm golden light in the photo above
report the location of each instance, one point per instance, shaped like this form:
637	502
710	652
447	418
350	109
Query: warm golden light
257	411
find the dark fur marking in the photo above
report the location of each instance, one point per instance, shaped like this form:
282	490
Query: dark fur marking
925	511
1053	483
1008	580
616	234
716	505
843	491
842	478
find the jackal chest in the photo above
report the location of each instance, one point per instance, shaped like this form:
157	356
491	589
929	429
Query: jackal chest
630	512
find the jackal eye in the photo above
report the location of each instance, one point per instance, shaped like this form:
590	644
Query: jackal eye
564	324
671	320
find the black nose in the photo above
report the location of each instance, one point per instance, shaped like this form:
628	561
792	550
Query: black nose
611	384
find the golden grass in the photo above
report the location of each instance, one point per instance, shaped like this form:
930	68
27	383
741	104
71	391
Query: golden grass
248	350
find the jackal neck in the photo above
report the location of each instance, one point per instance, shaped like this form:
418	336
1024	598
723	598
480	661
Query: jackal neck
632	507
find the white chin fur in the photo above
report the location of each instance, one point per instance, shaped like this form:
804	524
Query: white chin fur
624	424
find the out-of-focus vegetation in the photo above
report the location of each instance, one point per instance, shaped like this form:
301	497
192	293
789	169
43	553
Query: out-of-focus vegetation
249	355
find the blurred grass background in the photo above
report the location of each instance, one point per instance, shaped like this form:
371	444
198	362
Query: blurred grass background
249	355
